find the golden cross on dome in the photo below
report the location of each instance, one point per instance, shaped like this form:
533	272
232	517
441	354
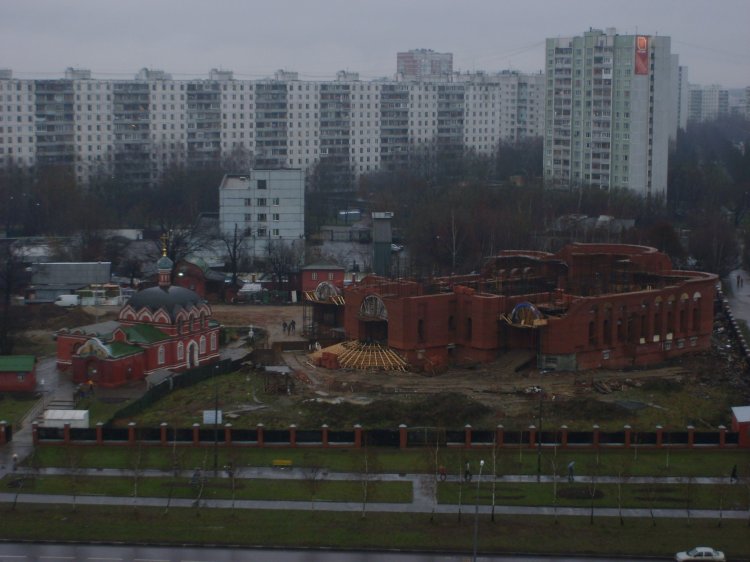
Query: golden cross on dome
164	239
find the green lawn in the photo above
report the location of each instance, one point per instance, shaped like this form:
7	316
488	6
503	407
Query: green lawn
244	489
444	533
644	496
13	407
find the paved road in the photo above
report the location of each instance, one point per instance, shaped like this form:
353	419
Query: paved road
17	552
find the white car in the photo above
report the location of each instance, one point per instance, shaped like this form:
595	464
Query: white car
700	553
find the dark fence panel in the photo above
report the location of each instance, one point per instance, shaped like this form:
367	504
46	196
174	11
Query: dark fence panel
83	434
706	438
452	436
115	433
548	437
514	437
479	436
183	435
580	438
50	433
309	436
211	435
244	435
342	437
383	437
675	438
645	438
8	433
611	437
732	438
276	436
148	434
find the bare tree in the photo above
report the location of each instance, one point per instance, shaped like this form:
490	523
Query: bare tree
282	258
235	243
11	281
313	476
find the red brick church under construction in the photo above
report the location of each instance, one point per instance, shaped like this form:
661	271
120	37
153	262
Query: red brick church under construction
585	307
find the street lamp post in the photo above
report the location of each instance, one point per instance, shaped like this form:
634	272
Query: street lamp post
539	440
216	421
476	511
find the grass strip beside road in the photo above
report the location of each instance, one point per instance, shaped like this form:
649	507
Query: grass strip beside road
444	533
244	489
643	496
606	462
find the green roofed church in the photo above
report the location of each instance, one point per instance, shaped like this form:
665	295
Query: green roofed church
165	328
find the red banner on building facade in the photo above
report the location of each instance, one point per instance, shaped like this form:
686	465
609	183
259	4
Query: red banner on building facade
641	54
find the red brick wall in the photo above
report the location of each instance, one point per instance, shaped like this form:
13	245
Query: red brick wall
9	381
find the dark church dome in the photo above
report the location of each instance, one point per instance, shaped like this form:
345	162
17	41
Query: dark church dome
170	298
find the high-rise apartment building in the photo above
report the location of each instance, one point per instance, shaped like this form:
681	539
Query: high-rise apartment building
609	111
707	103
424	64
136	129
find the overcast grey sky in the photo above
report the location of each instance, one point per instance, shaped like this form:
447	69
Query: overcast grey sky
114	39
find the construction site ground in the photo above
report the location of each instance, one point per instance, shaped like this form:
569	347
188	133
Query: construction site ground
697	389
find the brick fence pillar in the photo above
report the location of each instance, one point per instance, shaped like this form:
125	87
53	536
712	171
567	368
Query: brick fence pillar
66	434
357	436
595	436
324	435
499	435
99	433
131	433
293	435
3	436
722	436
628	435
691	435
260	440
163	433
35	433
563	435
532	436
227	434
196	434
467	436
659	436
402	436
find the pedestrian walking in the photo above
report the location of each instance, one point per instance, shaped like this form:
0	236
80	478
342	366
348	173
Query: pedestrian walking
571	471
283	326
467	472
293	326
15	462
443	473
733	476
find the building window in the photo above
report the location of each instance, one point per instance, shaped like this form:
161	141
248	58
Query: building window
180	351
248	202
202	345
275	217
261	202
314	275
262	232
161	355
261	217
330	276
275	202
275	232
213	341
261	184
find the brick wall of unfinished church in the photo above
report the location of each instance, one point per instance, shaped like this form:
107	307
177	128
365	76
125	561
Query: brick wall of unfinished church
634	328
